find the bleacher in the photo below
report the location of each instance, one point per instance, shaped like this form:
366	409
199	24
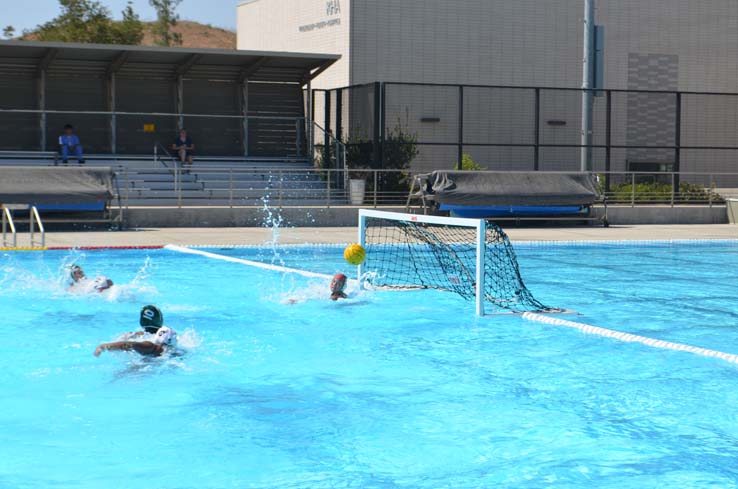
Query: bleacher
144	181
125	100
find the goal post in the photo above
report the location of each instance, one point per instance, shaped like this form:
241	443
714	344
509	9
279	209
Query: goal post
481	252
470	257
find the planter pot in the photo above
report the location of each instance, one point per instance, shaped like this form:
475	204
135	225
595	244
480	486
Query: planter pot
357	188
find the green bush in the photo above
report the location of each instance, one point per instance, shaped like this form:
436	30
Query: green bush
398	151
468	164
659	193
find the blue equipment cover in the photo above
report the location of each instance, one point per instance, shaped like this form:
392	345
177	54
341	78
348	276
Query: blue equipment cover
481	212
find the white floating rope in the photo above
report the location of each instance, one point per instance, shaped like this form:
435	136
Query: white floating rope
632	338
256	264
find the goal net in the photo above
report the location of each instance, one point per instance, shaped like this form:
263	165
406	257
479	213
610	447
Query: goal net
470	257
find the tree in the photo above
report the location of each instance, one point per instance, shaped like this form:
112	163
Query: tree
166	18
88	21
130	28
8	32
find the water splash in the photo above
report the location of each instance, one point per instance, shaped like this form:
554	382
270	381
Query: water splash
132	291
317	291
189	339
273	220
54	281
366	279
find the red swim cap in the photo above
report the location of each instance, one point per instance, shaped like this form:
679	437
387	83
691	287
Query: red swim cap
338	283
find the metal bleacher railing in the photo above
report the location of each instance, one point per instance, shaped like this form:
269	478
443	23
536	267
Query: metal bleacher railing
253	185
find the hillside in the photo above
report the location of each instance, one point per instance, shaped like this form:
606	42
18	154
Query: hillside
196	35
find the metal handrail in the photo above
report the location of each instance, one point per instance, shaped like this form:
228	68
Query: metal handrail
8	220
340	150
158	145
340	145
36	220
236	185
246	167
175	171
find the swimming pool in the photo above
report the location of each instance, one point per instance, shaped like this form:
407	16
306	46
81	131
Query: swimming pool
280	388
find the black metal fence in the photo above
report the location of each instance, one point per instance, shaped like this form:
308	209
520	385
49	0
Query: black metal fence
536	128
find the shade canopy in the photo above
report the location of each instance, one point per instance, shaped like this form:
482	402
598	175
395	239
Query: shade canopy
24	58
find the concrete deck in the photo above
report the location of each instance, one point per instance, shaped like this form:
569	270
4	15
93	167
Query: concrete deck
252	236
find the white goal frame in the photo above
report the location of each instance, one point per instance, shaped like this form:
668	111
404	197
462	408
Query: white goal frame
481	240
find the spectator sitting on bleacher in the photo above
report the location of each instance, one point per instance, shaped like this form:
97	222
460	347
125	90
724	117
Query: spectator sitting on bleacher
184	147
69	143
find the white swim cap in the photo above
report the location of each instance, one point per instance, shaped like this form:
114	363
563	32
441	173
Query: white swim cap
165	336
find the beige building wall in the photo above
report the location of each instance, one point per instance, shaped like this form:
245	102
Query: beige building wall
687	45
466	41
497	42
299	26
539	42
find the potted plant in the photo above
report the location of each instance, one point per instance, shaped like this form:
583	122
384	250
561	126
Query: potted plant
398	151
358	157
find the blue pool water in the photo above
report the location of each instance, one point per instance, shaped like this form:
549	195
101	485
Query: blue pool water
280	388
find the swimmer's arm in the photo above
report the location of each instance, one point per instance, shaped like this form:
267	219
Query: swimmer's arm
141	347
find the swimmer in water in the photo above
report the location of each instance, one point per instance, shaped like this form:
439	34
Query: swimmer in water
78	277
164	339
338	284
151	319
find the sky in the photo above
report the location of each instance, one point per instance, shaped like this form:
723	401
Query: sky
27	14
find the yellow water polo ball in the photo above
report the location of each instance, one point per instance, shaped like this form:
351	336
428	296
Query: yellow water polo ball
354	254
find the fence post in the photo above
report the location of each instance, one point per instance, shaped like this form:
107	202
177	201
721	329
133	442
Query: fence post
709	192
460	155
338	155
112	108
375	188
345	169
41	102
245	114
311	120
537	132
677	142
339	113
608	140
632	189
673	189
328	189
378	125
327	126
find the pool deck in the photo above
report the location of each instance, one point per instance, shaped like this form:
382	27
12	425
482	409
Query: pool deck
256	236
